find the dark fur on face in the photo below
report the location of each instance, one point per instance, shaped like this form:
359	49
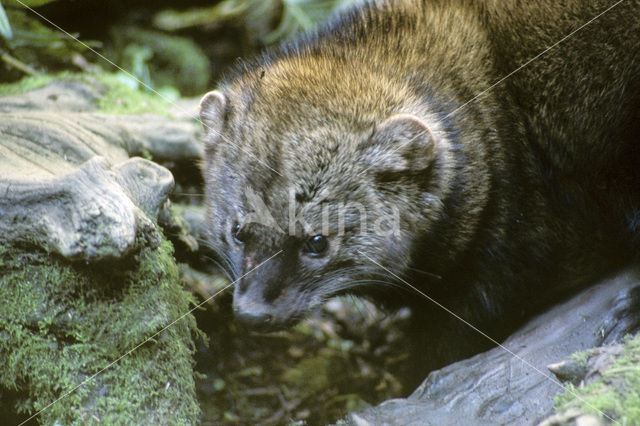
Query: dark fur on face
493	207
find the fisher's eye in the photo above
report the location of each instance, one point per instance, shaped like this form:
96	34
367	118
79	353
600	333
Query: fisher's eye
236	233
316	245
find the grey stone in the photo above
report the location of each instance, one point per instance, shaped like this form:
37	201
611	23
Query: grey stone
146	183
511	384
83	214
67	183
163	138
59	95
172	138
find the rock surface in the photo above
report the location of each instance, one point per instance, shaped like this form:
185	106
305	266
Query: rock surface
66	181
84	214
511	384
72	333
59	95
605	386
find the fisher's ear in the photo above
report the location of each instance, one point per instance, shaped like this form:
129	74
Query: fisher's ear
213	111
401	143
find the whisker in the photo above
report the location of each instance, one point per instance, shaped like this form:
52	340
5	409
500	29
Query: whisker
221	255
221	267
192	194
204	241
427	273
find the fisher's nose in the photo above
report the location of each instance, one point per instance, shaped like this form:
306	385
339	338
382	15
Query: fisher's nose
259	321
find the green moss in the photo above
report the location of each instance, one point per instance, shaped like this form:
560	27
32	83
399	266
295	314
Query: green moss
122	98
582	357
26	84
616	393
62	323
289	16
119	94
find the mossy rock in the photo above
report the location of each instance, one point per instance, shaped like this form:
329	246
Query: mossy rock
111	93
107	343
610	388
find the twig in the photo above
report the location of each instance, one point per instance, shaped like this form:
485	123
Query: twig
16	63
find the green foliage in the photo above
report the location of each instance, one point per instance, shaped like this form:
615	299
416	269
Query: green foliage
616	393
292	16
61	323
29	3
137	58
303	15
160	60
172	65
5	27
35	46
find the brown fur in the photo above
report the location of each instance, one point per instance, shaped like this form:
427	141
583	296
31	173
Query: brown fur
504	203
